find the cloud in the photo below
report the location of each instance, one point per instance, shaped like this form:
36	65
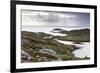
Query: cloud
44	18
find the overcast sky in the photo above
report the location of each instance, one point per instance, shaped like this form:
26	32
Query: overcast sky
46	18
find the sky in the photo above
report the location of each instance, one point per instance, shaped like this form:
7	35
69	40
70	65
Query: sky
51	18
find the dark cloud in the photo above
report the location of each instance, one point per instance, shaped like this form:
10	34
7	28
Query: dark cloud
59	18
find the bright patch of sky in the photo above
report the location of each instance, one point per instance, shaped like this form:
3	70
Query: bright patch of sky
50	18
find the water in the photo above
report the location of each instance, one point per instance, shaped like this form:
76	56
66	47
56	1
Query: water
84	49
65	42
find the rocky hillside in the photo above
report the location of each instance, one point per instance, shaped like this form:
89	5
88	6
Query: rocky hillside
81	35
40	46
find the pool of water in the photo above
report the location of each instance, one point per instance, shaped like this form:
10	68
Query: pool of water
83	51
